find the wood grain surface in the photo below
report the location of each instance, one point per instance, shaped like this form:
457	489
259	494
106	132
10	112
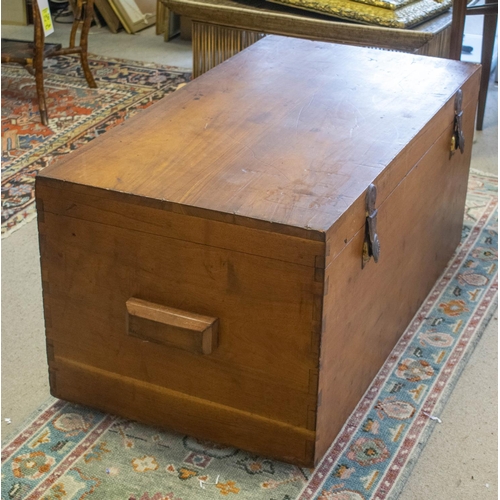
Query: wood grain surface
419	227
269	140
91	269
174	327
240	198
154	403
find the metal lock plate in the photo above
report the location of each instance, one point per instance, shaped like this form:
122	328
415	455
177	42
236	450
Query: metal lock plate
371	245
458	139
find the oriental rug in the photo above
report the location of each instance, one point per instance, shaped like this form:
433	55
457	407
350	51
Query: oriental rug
77	115
71	452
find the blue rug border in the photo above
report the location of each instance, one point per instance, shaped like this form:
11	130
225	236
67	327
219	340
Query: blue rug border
443	401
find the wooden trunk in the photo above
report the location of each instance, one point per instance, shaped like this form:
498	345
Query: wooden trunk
202	264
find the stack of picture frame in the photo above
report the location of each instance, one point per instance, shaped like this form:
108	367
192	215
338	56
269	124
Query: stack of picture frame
132	15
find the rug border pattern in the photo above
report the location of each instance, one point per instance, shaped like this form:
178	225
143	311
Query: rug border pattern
399	467
68	461
320	475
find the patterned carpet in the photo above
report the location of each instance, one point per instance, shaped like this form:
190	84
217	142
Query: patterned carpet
77	114
71	452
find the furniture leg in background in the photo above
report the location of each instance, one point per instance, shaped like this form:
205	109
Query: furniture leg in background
167	22
490	12
37	68
84	13
32	54
162	14
489	30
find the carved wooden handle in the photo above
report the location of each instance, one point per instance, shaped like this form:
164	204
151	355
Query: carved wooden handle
173	327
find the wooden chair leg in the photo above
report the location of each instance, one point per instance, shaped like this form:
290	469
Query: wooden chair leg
86	70
83	11
38	64
40	91
489	29
88	14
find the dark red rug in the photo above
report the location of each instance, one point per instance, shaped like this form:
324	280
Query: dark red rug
77	114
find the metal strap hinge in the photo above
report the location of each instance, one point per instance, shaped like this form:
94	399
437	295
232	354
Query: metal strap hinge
458	140
371	245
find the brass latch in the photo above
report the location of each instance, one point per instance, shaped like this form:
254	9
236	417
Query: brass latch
371	245
458	140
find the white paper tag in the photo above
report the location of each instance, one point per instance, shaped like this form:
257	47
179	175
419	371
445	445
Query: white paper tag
48	26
